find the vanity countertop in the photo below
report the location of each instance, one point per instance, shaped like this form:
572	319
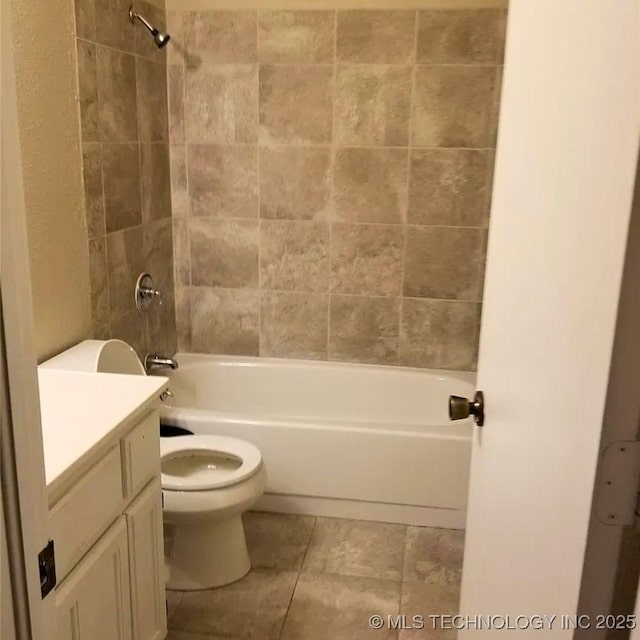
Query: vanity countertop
82	413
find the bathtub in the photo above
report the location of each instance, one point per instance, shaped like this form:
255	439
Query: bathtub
344	440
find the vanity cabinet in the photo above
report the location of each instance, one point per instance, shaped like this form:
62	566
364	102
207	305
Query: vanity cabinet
107	531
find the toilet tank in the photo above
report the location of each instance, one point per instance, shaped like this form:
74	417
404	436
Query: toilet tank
99	356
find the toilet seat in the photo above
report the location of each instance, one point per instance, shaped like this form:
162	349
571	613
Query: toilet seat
198	472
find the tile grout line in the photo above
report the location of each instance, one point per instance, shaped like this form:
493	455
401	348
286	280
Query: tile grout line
259	190
332	169
295	586
405	226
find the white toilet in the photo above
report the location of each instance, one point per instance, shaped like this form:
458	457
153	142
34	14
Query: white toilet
208	482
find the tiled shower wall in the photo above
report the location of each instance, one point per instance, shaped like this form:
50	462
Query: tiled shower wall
125	155
331	177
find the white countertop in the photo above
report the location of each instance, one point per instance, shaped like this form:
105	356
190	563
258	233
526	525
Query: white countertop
82	411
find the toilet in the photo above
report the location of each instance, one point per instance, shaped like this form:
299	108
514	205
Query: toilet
208	482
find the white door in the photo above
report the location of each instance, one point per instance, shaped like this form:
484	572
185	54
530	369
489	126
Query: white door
21	456
563	192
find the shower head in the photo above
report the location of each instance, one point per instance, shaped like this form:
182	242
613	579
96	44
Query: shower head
159	37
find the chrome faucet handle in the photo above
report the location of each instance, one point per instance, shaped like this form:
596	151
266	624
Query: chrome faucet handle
146	293
166	394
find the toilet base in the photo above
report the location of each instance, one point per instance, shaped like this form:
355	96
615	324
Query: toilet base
207	554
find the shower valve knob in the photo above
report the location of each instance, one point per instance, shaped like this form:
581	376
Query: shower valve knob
461	408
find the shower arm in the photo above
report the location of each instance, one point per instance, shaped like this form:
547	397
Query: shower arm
133	16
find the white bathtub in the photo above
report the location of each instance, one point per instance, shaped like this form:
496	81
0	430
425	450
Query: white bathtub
344	440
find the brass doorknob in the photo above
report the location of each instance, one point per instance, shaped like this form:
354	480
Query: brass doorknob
461	408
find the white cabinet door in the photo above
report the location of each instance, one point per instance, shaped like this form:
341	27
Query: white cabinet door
146	559
94	602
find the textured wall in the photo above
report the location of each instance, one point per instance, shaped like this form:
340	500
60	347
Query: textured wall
50	145
331	180
125	154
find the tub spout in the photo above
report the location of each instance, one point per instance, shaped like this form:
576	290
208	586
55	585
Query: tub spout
154	361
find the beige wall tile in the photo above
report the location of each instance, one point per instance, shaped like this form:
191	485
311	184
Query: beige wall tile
121	174
294	255
183	318
474	36
176	103
223	181
296	36
364	329
125	263
181	252
376	36
99	282
157	248
93	193
85	14
144	43
179	188
295	183
220	36
224	253
88	91
156	181
293	325
444	262
370	185
452	106
439	334
117	96
448	187
162	334
372	105
366	259
296	104
495	108
176	53
224	321
151	84
132	328
113	26
221	103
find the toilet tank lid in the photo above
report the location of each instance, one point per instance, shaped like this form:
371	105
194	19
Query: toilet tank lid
98	356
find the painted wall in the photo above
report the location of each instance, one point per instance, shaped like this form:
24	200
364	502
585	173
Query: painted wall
48	121
331	181
125	158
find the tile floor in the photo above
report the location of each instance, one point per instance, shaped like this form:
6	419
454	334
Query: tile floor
321	578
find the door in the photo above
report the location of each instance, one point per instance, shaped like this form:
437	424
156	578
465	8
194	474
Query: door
22	472
563	190
94	602
146	559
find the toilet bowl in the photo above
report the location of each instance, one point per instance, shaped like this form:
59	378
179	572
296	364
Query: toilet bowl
208	482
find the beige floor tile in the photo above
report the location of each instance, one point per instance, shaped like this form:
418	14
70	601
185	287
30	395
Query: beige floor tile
338	607
253	607
356	548
436	598
277	541
433	555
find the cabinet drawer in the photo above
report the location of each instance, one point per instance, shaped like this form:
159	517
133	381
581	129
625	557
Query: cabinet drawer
86	511
141	455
